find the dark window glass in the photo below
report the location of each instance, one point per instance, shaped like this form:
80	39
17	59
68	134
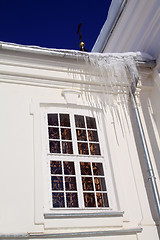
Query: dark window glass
70	184
64	120
58	200
57	183
85	168
81	135
54	146
72	200
92	136
53	133
98	169
94	149
53	119
67	147
79	121
87	183
83	148
56	167
66	133
100	184
89	200
69	168
91	123
102	200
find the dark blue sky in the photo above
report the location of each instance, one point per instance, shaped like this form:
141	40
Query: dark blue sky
52	23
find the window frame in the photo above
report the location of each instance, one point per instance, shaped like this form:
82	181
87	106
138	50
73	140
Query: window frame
76	157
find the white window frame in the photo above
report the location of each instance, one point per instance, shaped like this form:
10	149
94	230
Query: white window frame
76	157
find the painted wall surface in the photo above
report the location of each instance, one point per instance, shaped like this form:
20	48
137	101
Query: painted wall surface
29	84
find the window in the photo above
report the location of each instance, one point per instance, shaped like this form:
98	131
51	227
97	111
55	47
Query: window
76	166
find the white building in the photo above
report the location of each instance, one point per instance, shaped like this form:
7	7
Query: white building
72	162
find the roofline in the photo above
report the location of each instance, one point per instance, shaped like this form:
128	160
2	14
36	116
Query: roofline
108	27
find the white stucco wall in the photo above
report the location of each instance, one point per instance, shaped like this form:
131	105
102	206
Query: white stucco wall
28	84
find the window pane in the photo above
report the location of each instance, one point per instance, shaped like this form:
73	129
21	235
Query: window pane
57	183
64	120
67	147
66	133
87	183
81	135
91	123
53	133
79	121
92	136
53	119
70	183
100	184
69	168
85	168
83	148
58	200
94	149
98	169
54	146
56	167
89	200
72	200
102	200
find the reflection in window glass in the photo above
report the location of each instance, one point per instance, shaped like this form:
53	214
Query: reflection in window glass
89	200
83	148
53	119
85	168
72	200
87	183
58	199
56	167
92	136
54	146
70	183
79	121
64	120
94	149
98	169
69	168
57	183
53	133
81	135
67	147
66	134
91	122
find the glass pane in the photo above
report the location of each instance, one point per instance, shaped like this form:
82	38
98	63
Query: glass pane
54	146
87	183
81	135
56	167
53	119
79	121
69	168
72	200
83	148
98	169
85	168
91	122
66	133
64	120
92	136
58	200
89	200
53	133
70	183
94	149
102	200
100	184
57	183
67	147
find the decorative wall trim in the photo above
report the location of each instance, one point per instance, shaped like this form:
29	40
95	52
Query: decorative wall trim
130	231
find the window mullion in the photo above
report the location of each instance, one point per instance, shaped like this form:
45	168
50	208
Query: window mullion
79	185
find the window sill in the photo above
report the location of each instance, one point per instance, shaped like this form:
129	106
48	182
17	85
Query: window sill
84	215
